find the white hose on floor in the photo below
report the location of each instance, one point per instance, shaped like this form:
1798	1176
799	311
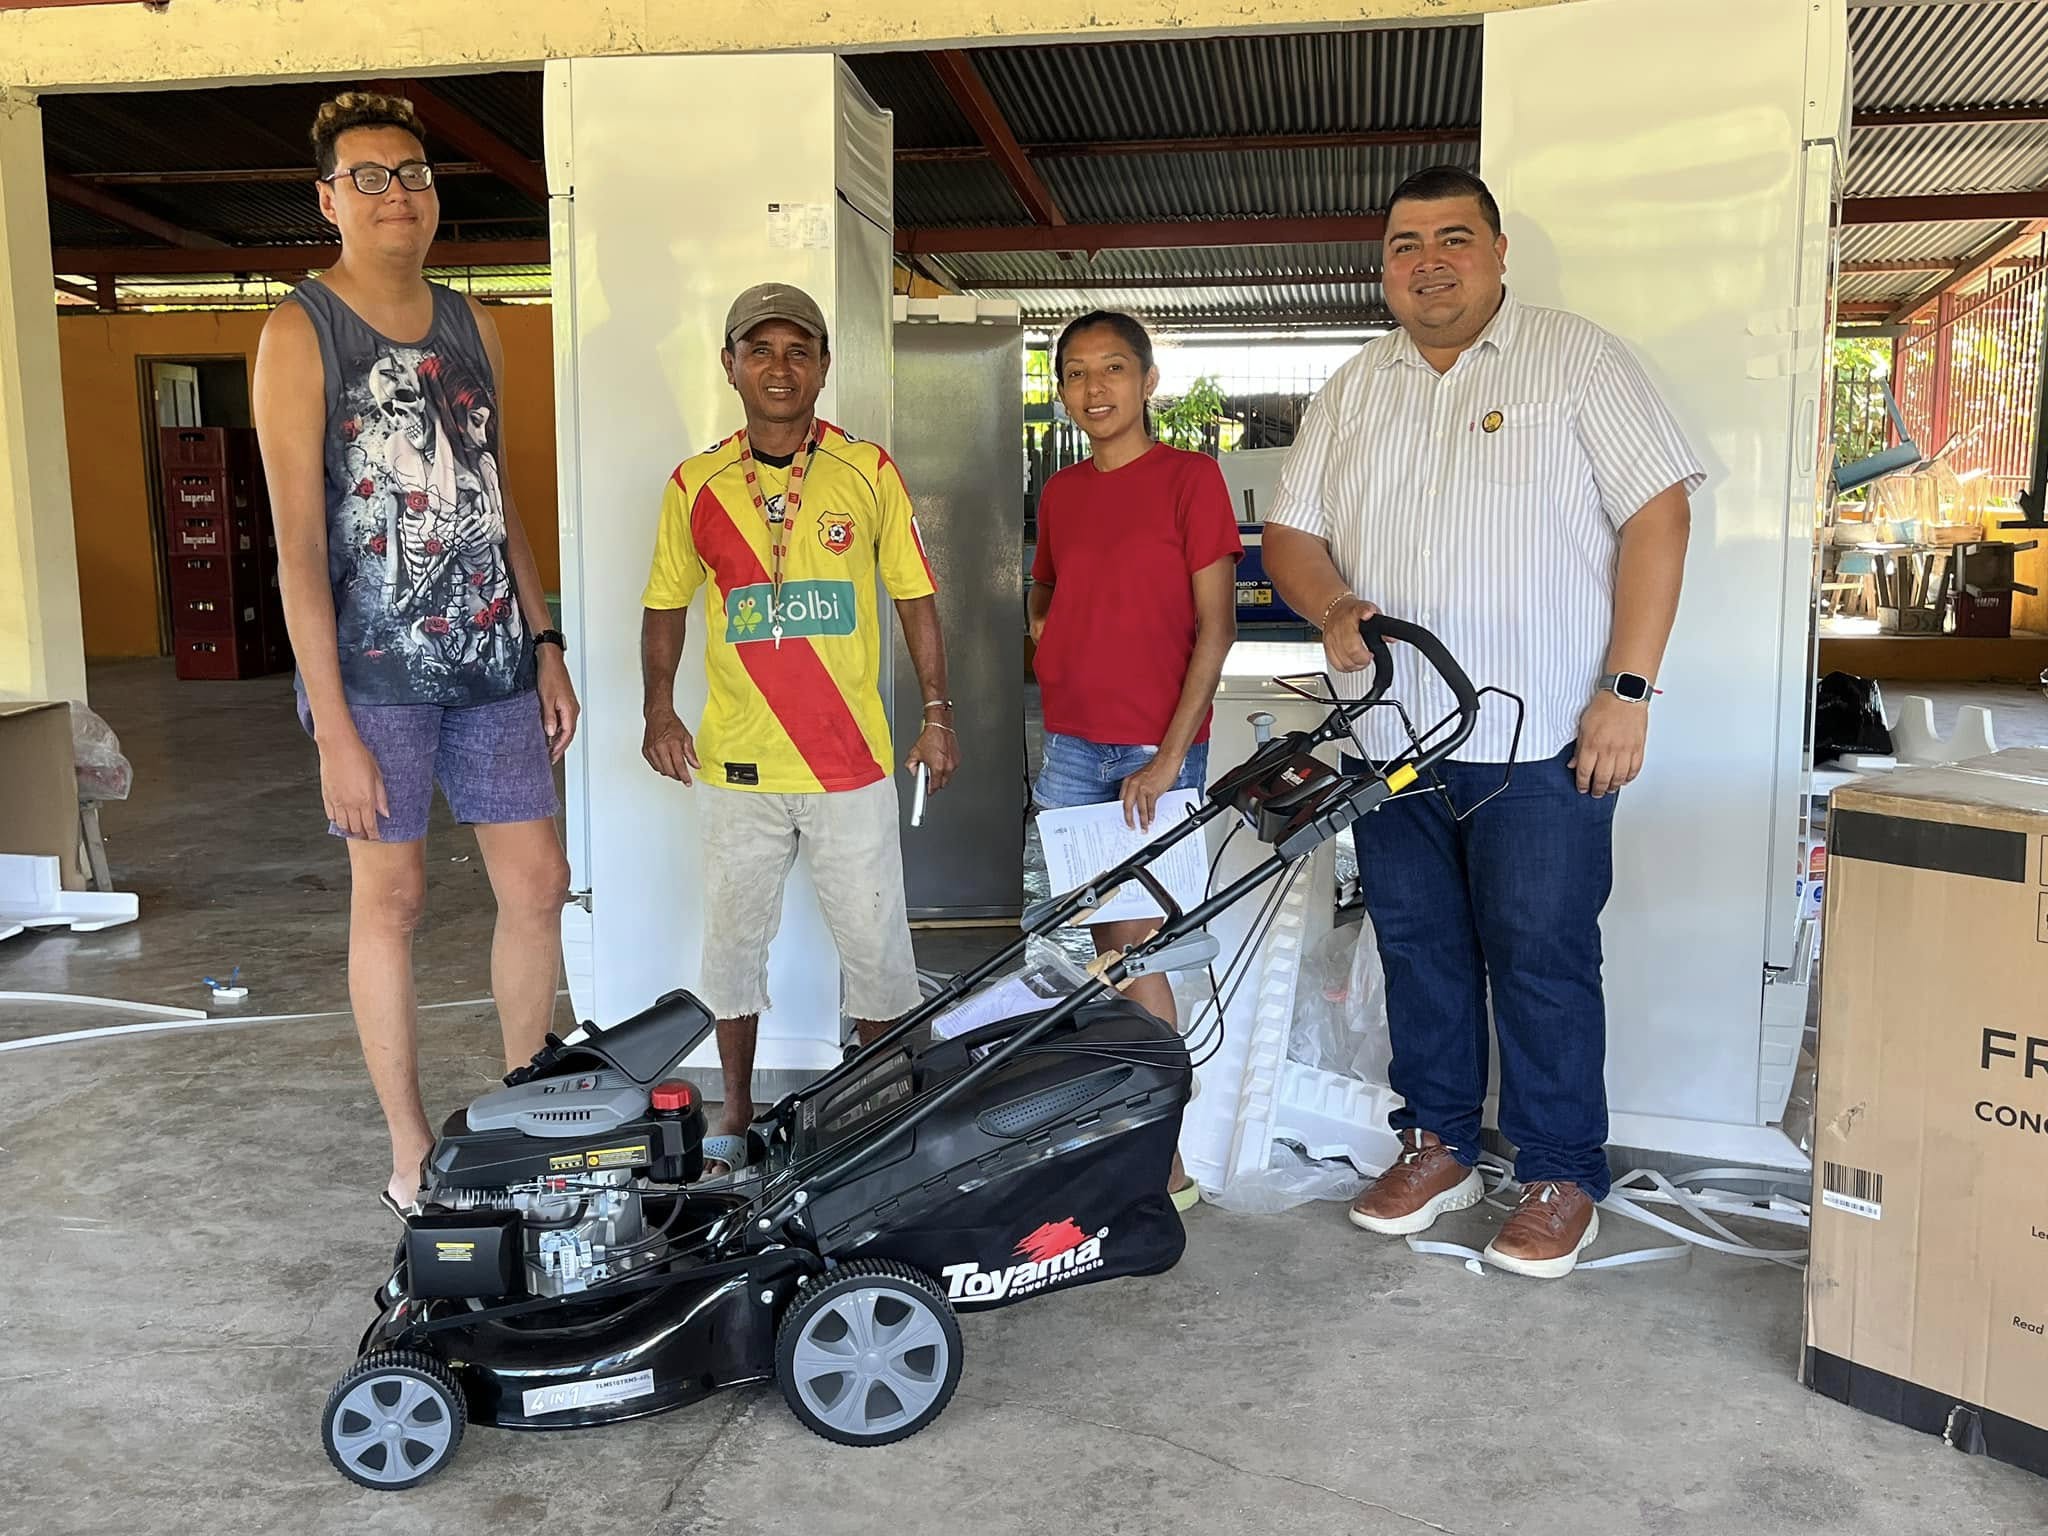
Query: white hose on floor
183	1018
161	1010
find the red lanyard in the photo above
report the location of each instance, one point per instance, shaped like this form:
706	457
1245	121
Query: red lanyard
778	521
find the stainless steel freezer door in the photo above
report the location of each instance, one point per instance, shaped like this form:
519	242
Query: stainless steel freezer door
960	444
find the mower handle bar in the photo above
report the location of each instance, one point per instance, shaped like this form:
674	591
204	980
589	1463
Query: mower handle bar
1376	631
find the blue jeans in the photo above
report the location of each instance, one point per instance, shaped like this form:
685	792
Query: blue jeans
1078	772
1509	899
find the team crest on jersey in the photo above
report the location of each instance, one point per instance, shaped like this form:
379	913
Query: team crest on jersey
835	531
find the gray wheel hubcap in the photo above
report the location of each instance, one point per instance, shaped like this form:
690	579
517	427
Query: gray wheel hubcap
390	1429
871	1360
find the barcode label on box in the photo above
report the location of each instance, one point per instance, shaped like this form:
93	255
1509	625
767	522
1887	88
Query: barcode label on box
1855	1190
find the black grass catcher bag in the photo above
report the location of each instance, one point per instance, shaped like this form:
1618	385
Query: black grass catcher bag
1050	1174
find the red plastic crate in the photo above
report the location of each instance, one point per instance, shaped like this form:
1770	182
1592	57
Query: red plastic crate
207	448
223	575
1984	616
200	533
193	447
212	490
215	657
213	613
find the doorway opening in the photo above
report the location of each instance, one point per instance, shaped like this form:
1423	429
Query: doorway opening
187	392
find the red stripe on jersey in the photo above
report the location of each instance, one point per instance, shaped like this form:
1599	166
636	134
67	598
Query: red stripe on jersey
793	679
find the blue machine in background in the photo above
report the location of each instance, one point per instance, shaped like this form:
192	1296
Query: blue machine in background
1257	602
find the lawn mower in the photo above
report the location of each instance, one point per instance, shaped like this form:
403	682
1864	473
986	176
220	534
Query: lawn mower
567	1265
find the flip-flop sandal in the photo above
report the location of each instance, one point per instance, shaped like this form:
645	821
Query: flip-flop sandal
1187	1197
730	1152
391	1205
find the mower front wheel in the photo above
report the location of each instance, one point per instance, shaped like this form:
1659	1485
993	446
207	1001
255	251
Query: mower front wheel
868	1354
394	1420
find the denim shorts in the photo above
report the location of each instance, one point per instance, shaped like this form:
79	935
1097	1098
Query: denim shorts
492	762
1077	772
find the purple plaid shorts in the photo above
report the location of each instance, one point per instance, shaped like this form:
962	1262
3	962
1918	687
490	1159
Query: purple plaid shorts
491	761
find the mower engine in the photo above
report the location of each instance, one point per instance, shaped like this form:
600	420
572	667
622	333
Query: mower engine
538	1188
572	1232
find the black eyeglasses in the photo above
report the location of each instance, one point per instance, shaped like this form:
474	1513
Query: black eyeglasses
370	180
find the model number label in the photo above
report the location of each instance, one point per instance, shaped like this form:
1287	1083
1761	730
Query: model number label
585	1394
610	1157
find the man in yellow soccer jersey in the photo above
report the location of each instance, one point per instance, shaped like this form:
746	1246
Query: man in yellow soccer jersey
789	521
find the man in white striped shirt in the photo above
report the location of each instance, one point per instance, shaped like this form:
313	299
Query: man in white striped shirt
1507	477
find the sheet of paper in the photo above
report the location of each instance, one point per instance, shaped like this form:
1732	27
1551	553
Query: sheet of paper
799	227
1084	840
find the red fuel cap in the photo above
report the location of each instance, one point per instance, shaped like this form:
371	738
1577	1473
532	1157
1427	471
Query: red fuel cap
674	1094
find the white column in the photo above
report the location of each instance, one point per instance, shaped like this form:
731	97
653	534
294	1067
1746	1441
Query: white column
42	639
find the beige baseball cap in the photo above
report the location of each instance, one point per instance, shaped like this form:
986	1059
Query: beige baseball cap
773	301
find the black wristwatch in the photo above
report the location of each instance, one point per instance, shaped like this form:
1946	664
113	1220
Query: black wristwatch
552	637
1632	686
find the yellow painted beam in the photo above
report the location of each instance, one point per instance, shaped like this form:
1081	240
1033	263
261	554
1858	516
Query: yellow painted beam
42	650
218	42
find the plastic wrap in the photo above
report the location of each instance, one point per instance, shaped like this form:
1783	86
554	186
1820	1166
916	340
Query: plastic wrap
1797	1121
103	773
1041	978
1340	1006
1290	1178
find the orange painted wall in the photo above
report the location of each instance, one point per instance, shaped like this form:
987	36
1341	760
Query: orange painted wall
103	425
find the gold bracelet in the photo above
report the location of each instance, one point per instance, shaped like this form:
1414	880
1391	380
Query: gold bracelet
1324	622
929	724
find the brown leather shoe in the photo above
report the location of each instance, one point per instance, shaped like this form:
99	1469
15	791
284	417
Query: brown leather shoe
1425	1181
1552	1226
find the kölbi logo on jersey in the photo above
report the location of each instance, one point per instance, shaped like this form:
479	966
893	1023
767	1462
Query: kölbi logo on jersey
808	608
1053	1253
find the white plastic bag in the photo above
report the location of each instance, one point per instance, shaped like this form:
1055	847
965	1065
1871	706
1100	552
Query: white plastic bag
103	773
1289	1179
1340	1006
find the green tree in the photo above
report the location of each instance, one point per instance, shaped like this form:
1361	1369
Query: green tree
1185	422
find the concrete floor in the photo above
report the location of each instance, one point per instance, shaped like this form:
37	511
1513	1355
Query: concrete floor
191	1237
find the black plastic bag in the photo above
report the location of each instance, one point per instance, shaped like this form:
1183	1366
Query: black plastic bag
1848	717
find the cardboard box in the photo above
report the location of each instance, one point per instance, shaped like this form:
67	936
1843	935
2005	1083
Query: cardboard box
1927	1291
39	776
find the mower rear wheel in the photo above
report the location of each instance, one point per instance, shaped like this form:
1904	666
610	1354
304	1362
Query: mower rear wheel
868	1354
394	1420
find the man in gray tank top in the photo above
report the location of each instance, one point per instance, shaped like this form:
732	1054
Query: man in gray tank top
415	607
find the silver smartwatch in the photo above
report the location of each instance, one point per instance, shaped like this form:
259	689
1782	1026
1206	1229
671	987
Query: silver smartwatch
1631	686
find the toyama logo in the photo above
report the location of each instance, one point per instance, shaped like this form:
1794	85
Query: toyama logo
1053	1253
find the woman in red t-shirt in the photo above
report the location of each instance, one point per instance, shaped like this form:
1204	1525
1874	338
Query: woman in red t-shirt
1133	608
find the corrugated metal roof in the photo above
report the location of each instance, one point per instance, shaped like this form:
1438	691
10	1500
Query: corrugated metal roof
72	225
508	102
1212	265
955	192
1905	55
1904	242
258	291
1881	287
1261	183
906	84
1415	77
1309	304
1980	157
230	126
1950	55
